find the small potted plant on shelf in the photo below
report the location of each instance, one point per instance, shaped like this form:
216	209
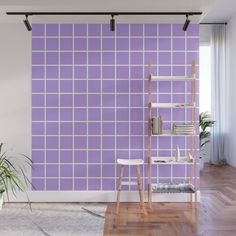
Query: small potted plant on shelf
12	173
205	124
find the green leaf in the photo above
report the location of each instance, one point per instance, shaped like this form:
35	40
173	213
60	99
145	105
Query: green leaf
205	123
12	176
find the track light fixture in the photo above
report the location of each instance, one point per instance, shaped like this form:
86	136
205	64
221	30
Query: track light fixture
186	23
27	24
112	23
112	14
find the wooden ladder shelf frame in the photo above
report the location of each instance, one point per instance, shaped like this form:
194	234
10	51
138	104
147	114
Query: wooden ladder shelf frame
193	173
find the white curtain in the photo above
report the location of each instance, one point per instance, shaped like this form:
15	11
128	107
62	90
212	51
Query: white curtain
219	96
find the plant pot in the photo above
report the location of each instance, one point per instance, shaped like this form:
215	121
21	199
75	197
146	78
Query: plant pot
1	201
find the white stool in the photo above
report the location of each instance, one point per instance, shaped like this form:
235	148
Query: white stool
133	162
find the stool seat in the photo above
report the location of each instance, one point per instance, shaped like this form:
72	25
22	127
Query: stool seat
132	162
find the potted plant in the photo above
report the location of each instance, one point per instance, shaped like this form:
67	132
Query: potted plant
12	173
205	124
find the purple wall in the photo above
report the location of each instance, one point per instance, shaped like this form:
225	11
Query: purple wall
89	100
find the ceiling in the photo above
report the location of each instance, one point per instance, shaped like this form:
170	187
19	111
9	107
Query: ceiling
221	11
213	10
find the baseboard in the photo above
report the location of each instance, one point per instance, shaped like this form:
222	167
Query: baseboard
99	196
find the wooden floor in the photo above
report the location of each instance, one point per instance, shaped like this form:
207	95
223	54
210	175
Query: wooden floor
214	216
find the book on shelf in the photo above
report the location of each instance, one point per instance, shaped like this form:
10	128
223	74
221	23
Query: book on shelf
181	159
171	105
183	133
184	187
186	128
157	125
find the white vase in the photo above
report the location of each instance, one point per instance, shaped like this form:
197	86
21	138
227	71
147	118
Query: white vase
1	201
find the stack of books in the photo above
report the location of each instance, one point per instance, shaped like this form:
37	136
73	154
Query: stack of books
185	129
173	188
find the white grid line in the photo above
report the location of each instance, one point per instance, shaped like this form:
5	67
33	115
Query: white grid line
59	116
185	90
129	153
87	108
157	140
171	55
45	118
118	37
115	162
101	141
144	106
73	111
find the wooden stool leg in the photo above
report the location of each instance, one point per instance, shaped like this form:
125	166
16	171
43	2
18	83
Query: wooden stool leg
119	189
140	188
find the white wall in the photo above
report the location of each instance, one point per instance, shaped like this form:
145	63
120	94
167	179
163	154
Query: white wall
205	34
231	48
15	87
205	38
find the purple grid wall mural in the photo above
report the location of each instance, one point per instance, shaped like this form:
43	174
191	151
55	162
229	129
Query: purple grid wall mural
89	100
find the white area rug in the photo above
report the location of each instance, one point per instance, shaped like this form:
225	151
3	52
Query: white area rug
52	220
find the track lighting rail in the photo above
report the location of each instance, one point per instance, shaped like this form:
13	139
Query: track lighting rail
112	14
105	13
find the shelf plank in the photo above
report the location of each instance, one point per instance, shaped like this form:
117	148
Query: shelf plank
171	105
129	183
170	160
170	133
171	78
172	163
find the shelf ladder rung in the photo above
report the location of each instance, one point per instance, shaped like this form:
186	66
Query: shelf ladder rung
129	183
171	78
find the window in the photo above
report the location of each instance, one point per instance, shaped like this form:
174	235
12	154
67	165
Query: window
205	78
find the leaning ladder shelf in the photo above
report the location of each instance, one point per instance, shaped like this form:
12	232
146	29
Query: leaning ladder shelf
191	186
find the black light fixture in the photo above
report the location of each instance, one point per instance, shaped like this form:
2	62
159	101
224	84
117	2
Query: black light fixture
27	24
112	14
186	23
112	23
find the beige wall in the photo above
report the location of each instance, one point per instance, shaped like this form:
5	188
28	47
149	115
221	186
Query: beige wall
15	87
